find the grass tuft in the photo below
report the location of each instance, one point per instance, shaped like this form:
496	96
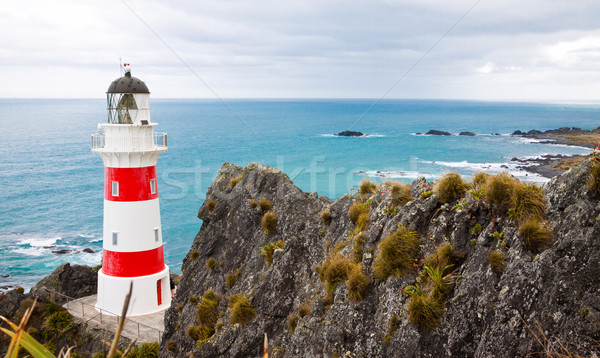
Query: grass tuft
496	258
529	202
357	283
367	187
450	187
292	322
400	193
536	235
304	309
211	204
194	254
396	254
269	222
234	181
499	191
211	263
594	182
253	203
358	209
242	311
326	216
265	205
424	311
269	249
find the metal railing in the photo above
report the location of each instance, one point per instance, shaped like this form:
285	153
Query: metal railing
104	315
130	142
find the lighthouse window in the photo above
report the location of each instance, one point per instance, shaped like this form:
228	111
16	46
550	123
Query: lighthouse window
156	235
152	186
115	238
115	188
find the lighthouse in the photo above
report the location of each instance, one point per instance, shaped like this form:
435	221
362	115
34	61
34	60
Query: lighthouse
132	248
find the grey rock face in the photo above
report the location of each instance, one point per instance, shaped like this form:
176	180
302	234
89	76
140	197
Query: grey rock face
559	288
75	281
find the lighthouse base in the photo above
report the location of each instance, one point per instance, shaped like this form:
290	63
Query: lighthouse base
149	294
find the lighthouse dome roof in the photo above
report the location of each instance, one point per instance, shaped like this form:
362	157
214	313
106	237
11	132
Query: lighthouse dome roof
128	84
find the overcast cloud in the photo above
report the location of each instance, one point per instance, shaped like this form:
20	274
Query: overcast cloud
503	49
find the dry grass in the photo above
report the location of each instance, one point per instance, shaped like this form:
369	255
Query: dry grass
357	210
450	187
594	181
253	203
292	322
265	205
424	311
326	216
400	192
529	202
338	269
496	258
234	181
396	254
536	235
269	249
211	263
357	283
269	222
499	191
242	311
211	204
367	187
304	309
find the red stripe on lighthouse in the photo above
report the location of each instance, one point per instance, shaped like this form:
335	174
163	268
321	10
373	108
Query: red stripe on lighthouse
133	183
132	264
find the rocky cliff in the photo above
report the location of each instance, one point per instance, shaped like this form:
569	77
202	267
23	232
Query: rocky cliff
229	295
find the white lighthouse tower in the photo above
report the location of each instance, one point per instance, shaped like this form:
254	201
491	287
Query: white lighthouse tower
132	240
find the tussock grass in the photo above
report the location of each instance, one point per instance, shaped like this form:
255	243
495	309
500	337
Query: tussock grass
396	254
358	209
207	311
269	222
424	311
211	205
194	254
357	283
292	322
529	202
211	263
400	192
440	282
357	245
231	279
479	180
234	181
594	182
499	191
450	187
367	187
265	205
536	235
253	203
304	309
269	249
496	258
326	216
242	311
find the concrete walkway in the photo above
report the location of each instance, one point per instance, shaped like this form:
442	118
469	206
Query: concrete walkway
147	328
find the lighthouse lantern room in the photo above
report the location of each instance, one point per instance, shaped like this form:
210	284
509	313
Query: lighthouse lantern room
132	239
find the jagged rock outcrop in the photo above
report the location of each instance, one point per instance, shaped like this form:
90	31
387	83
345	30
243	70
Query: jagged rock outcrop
484	314
74	281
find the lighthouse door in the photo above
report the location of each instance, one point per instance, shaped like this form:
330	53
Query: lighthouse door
159	292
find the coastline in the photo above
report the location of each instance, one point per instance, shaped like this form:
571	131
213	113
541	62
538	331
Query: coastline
550	166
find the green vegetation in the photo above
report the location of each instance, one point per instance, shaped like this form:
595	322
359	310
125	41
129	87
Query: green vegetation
426	194
97	267
211	263
496	258
499	191
171	346
20	290
479	180
253	203
234	181
211	204
207	314
337	269
326	216
367	187
292	322
269	249
392	328
242	311
357	243
144	350
269	222
476	230
450	187
231	279
193	299
536	235
529	202
265	205
396	254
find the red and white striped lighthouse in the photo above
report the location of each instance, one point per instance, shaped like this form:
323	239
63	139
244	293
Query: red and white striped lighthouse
132	240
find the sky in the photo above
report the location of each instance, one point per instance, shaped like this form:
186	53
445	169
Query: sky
525	50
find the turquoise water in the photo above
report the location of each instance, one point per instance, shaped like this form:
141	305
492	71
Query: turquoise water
51	184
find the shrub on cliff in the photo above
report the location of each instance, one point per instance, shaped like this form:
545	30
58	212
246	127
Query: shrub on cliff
499	191
357	210
396	253
265	205
234	181
400	193
357	283
529	202
424	311
536	235
496	258
269	249
366	187
450	187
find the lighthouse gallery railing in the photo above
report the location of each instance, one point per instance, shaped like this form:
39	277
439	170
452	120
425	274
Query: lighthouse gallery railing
130	142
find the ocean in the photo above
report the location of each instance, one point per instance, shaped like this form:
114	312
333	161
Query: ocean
51	184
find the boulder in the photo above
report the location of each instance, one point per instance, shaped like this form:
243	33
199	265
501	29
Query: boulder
468	134
74	281
350	134
437	132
